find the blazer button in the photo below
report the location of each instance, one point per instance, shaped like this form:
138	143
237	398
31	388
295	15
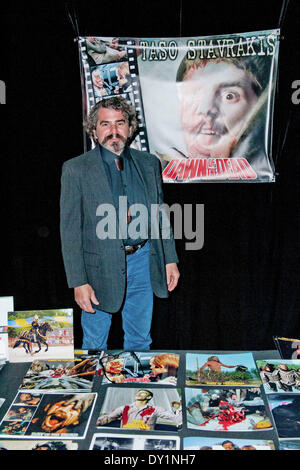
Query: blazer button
123	271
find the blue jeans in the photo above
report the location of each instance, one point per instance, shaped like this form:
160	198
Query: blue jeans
136	311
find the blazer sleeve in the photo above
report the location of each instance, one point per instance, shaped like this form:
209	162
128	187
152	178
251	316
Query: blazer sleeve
167	233
71	222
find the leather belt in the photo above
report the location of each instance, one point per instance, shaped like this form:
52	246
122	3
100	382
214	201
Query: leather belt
129	250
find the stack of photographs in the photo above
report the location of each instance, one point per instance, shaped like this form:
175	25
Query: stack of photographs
281	381
153	401
223	395
141	401
55	401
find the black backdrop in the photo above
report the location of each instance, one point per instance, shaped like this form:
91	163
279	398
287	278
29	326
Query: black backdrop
243	286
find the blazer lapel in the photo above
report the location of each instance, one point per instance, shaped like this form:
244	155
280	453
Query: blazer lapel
146	173
97	178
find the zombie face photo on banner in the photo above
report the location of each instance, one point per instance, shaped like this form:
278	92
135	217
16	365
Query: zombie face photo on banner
219	100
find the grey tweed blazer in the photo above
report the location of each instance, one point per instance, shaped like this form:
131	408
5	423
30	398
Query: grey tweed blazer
102	263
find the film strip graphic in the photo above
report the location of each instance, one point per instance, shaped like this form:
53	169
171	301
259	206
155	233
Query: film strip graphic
87	76
133	95
137	95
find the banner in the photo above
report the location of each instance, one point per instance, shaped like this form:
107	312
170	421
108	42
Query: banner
204	104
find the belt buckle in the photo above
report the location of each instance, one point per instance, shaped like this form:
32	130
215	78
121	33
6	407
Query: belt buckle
132	249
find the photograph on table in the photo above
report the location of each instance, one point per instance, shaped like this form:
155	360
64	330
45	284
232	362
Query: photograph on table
289	444
139	367
221	369
143	409
6	305
40	334
3	346
285	409
231	409
219	443
37	445
280	375
288	348
119	442
75	375
59	416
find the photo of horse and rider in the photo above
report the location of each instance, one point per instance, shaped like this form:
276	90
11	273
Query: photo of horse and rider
40	334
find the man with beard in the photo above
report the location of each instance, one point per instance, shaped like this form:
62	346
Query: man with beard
115	271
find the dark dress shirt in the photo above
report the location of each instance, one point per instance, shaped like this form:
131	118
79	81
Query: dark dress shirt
126	183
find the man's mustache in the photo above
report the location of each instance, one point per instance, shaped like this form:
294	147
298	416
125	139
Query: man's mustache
111	136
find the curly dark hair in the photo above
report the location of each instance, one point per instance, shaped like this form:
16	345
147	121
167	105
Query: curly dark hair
117	103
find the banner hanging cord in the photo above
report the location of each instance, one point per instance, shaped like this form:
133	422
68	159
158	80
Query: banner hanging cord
281	142
180	18
284	8
73	19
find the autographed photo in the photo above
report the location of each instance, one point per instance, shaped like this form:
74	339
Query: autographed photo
139	367
143	409
240	409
